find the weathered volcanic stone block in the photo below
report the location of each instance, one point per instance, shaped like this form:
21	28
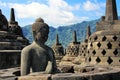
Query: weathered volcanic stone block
66	69
99	73
36	77
69	76
105	75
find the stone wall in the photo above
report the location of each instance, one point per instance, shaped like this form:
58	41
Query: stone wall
113	74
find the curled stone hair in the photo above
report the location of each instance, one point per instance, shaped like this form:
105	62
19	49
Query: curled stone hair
39	23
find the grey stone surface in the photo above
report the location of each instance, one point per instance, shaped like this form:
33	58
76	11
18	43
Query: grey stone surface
3	22
110	21
38	56
106	74
72	52
36	77
99	73
111	10
9	74
13	26
103	45
58	50
11	42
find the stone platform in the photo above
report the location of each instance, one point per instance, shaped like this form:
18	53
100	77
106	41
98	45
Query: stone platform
99	73
9	74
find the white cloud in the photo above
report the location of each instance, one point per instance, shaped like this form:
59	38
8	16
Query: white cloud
30	10
55	12
62	5
3	4
91	6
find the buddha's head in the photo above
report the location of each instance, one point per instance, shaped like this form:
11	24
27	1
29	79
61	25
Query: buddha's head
40	31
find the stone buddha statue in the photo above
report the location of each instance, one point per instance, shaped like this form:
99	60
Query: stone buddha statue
38	57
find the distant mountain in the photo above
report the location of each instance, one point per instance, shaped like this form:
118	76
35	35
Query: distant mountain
65	32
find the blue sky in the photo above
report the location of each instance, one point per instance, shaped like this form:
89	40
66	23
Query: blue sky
55	12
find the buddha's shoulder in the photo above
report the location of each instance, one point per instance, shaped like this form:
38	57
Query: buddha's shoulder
28	48
48	48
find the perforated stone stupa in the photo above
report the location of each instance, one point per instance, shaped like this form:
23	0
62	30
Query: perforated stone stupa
104	44
11	41
58	50
83	49
71	52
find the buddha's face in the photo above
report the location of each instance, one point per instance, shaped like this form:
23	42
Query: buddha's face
42	35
